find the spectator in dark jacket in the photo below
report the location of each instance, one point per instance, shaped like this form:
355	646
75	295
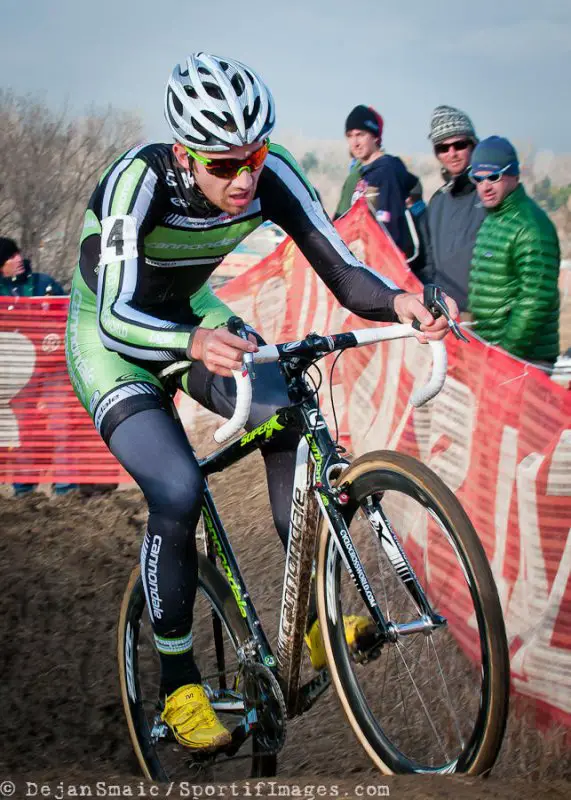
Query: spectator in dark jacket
382	179
417	220
16	276
455	212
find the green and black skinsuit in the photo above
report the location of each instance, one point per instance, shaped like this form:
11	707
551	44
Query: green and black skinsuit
149	245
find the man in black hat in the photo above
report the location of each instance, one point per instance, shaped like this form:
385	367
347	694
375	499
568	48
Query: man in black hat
382	179
16	276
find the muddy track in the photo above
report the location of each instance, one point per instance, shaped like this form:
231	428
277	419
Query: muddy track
64	562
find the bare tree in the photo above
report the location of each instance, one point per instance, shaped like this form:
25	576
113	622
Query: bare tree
49	165
100	138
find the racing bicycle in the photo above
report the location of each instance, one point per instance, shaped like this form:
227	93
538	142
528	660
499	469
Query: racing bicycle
427	689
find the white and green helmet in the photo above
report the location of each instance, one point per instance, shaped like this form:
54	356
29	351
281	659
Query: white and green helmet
213	103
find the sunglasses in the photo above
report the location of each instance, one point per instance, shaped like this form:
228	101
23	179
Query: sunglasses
463	144
230	168
493	177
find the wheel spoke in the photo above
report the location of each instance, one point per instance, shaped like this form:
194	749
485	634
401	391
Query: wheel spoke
423	704
394	649
445	684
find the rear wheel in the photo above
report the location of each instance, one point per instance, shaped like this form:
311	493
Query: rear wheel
218	630
424	699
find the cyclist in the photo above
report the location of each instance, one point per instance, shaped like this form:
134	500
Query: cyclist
159	222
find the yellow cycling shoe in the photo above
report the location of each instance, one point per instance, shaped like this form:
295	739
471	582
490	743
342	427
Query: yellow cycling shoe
356	629
190	717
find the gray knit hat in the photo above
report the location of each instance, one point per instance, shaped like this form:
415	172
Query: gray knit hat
448	121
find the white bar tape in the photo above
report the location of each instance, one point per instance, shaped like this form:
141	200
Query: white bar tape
266	353
439	358
439	363
372	335
242	410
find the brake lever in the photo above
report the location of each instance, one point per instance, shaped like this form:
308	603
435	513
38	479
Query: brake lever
237	327
452	324
433	300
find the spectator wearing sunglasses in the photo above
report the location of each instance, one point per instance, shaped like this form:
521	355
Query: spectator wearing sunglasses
455	212
381	178
513	296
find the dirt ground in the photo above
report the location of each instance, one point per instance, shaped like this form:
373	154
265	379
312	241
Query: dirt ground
63	568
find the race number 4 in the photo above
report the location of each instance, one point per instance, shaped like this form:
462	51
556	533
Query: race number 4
118	239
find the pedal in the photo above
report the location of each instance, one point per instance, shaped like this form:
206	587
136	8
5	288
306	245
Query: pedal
368	647
160	729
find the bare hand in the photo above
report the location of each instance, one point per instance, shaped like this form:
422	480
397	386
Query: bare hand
13	267
220	350
409	307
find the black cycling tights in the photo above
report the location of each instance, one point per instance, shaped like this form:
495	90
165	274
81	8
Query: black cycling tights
152	446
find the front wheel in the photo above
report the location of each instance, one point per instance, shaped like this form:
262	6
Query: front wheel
429	697
218	630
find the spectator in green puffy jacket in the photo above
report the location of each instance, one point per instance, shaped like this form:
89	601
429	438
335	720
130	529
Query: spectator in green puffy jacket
513	293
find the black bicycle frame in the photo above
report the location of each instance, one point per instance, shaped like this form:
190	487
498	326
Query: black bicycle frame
305	418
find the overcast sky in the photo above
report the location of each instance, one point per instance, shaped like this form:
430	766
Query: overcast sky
505	62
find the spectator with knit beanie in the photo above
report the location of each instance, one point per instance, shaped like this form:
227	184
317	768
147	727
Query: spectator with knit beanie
455	212
382	179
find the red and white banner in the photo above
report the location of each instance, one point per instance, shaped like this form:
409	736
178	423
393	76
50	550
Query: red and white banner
45	434
499	434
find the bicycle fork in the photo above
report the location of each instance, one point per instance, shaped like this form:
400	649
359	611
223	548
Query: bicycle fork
389	631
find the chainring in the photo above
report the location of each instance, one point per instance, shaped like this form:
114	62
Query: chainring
262	692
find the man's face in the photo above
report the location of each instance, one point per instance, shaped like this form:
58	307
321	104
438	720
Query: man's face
493	193
13	267
232	195
454	154
362	144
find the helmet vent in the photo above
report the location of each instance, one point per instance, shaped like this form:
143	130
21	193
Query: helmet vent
212	90
227	122
238	84
190	92
178	107
230	124
250	116
224	65
204	134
